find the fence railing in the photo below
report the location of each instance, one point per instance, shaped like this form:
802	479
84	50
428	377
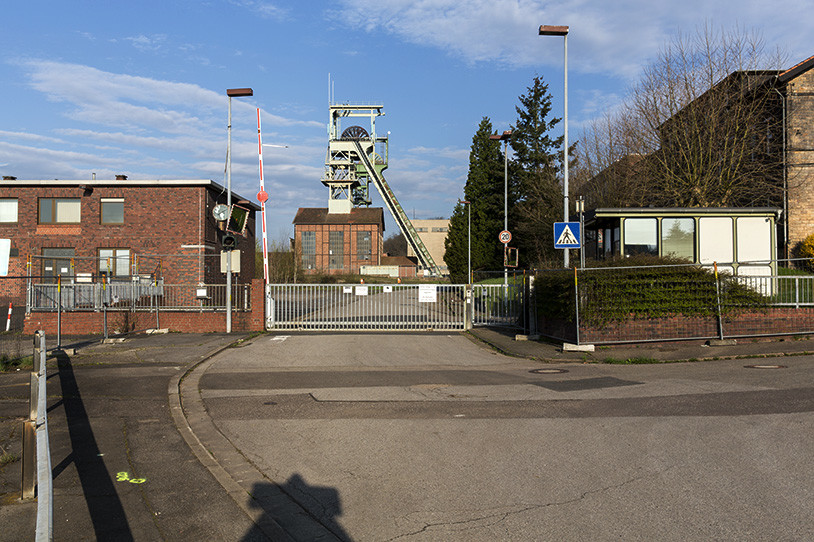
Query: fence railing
391	307
497	305
36	447
669	302
135	296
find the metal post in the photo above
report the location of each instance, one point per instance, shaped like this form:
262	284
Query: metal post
59	312
28	465
565	146
469	241
228	218
576	301
718	299
505	205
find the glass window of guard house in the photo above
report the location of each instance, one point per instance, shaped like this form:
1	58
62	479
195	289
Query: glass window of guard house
678	238
640	236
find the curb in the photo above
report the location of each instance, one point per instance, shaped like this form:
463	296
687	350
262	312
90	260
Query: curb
238	494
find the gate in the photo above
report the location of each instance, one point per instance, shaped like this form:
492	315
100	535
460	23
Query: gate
376	307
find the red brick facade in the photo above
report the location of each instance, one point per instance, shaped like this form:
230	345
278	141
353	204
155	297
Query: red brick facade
167	227
350	226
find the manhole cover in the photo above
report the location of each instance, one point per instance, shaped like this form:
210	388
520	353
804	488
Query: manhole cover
765	366
548	371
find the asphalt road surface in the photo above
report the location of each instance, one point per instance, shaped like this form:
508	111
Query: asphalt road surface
418	437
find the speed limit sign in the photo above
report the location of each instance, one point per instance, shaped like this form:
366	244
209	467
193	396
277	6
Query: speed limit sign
505	236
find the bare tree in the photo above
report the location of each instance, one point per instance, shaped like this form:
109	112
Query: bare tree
702	127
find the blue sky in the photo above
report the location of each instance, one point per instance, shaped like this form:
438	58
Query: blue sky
139	87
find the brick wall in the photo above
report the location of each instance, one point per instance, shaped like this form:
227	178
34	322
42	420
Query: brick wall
350	260
772	321
170	226
800	156
92	323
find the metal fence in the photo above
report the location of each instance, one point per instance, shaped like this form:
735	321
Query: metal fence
136	296
640	304
366	307
498	305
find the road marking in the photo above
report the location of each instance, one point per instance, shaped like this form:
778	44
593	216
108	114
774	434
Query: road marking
280	337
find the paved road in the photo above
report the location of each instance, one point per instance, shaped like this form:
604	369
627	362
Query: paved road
433	437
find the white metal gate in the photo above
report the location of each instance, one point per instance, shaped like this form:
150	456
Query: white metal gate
343	307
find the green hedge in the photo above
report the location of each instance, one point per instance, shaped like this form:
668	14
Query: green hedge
654	288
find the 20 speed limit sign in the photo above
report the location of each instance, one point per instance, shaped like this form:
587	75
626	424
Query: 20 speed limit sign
505	236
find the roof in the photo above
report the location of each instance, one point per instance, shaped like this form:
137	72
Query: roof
796	70
125	182
401	261
357	215
685	211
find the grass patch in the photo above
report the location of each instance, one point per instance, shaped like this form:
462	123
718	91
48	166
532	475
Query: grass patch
631	361
8	364
6	458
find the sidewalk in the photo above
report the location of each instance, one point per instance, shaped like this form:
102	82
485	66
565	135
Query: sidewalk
504	341
121	469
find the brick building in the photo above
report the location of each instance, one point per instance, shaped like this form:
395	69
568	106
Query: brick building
83	229
337	243
797	87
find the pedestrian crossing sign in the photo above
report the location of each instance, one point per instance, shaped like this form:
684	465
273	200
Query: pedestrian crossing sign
567	235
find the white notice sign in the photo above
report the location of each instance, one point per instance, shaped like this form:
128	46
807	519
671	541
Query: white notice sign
388	289
361	290
347	289
427	293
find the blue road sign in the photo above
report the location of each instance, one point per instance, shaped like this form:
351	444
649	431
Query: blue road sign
567	235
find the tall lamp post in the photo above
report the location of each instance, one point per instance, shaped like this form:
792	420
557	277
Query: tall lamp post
231	93
468	240
562	31
504	137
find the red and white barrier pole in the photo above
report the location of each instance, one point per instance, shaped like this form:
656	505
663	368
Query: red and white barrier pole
8	320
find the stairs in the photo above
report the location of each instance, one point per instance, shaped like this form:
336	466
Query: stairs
424	258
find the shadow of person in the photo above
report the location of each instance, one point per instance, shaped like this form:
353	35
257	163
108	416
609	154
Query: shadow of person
303	512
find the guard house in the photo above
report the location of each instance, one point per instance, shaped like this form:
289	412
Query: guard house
740	241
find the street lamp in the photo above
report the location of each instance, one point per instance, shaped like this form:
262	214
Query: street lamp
468	240
231	93
562	31
504	137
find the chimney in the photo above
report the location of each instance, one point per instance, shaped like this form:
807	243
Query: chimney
121	177
9	178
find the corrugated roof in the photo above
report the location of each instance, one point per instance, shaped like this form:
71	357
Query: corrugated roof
357	215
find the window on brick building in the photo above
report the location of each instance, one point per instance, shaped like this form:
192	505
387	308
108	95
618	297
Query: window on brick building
8	210
57	262
60	211
112	211
336	250
364	247
309	249
114	262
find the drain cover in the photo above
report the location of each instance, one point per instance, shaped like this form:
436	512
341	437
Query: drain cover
765	366
548	371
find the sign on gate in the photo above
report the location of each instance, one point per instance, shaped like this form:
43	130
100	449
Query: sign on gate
427	293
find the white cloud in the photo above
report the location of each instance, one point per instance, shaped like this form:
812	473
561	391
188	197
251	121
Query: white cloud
615	38
147	43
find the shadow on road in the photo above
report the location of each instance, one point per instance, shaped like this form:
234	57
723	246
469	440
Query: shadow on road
106	511
305	512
